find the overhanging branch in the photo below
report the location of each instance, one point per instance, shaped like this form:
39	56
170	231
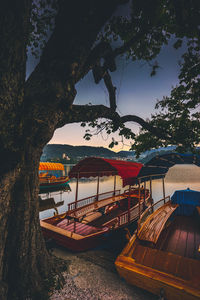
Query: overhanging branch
111	91
87	113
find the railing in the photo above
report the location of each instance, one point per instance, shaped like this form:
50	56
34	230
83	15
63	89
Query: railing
134	212
137	191
108	194
83	211
124	218
91	199
151	209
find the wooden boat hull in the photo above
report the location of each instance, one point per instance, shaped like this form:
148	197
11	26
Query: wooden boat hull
73	241
87	226
50	186
165	259
155	281
77	245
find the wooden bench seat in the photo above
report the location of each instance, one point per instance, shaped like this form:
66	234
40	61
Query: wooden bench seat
153	226
91	217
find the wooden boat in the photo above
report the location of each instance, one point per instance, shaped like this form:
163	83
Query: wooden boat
163	256
49	182
89	221
49	203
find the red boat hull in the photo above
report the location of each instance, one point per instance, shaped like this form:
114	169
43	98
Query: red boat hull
76	245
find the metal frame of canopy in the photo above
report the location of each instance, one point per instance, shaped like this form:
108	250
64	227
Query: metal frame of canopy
131	172
99	167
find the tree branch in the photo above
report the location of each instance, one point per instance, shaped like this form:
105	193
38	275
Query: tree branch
87	113
111	90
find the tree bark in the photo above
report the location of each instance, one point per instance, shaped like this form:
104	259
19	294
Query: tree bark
25	263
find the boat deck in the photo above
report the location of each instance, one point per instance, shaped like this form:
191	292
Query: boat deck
181	237
176	251
79	228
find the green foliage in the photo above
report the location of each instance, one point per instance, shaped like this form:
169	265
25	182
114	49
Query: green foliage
140	36
178	115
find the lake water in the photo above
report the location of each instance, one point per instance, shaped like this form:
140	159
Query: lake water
178	177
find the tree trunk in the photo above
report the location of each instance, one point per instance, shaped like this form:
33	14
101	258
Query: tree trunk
25	263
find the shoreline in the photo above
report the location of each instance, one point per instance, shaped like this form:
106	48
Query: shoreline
92	275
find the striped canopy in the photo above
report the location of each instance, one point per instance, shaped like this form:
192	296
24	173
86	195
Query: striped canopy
96	166
47	166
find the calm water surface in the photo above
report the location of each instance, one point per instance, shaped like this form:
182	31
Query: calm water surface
178	177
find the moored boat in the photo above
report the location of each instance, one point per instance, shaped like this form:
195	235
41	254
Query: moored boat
89	221
49	182
163	256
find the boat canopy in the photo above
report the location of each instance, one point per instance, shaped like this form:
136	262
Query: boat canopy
131	172
93	167
159	165
187	196
187	200
47	166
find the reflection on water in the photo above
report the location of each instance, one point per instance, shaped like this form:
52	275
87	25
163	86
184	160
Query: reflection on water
178	177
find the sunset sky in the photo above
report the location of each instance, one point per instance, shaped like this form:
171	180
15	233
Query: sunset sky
137	93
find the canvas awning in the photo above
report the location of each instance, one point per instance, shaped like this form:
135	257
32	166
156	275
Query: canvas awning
93	167
130	172
46	166
159	165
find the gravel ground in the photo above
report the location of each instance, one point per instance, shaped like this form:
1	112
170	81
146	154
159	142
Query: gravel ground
92	275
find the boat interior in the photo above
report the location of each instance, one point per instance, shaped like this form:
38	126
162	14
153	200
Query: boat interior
104	214
112	211
171	245
163	256
95	216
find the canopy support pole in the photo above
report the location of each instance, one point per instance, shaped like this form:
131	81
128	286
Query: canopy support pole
114	185
151	191
145	192
163	184
76	198
129	204
139	199
97	197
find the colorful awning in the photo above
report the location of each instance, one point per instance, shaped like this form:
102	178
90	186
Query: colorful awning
93	166
47	166
159	165
130	172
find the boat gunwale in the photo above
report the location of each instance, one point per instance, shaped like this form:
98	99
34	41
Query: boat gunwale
69	234
127	263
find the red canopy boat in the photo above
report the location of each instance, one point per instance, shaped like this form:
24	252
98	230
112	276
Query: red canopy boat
88	221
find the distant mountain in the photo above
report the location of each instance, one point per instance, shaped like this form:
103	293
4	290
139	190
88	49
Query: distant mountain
56	151
126	153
